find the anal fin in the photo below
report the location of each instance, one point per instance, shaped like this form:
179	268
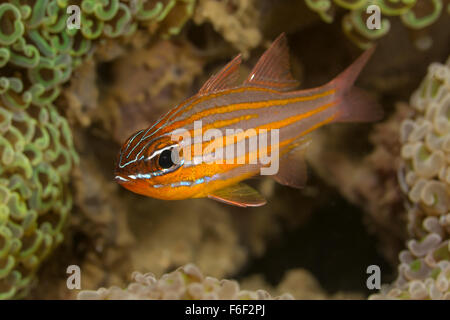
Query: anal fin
293	171
240	195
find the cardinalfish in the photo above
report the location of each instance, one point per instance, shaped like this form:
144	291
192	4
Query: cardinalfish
162	161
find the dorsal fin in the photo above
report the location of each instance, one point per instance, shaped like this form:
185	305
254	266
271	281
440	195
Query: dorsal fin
224	79
273	69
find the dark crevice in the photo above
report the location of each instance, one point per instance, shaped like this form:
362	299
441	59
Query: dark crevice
334	245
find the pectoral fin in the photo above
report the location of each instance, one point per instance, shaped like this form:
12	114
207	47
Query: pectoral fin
240	195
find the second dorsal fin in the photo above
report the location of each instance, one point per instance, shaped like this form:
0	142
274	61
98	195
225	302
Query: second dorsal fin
273	69
224	79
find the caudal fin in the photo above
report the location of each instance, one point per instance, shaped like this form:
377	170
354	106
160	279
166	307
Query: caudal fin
355	104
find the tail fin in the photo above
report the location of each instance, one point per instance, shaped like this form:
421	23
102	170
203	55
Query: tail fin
356	105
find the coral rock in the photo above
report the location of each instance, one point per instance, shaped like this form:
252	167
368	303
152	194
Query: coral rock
424	271
185	283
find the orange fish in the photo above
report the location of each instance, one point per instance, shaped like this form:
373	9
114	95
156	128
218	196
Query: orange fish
154	164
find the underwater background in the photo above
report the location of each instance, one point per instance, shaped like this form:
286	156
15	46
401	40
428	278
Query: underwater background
377	194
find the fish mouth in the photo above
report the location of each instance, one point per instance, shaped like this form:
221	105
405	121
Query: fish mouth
121	179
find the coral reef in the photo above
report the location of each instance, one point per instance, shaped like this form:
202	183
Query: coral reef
38	53
110	100
424	271
184	283
36	156
188	282
415	14
120	71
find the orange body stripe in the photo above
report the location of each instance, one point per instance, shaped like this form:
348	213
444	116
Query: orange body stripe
221	93
227	122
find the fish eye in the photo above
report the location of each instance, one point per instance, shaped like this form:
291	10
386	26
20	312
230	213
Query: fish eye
165	159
